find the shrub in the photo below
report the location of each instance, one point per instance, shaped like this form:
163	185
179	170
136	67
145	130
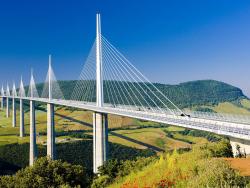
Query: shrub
220	149
196	168
114	169
219	174
47	173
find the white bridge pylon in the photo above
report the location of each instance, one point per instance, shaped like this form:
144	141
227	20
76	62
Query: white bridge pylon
110	84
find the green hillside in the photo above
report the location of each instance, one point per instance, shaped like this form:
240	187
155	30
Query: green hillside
201	92
188	94
134	145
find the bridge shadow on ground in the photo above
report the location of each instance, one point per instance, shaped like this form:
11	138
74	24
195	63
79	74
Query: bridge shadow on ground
67	117
154	148
16	156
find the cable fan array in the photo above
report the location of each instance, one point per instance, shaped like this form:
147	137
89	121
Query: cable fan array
51	88
32	92
21	92
50	83
123	85
8	90
85	88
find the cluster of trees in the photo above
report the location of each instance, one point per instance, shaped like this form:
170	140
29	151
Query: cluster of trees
47	173
16	156
201	92
211	137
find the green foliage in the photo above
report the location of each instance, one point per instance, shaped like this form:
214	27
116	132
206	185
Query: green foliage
196	133
74	134
114	169
101	182
47	173
216	173
16	156
170	135
200	92
220	149
204	109
7	168
196	168
111	168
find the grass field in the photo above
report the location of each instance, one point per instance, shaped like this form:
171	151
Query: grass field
245	103
154	138
230	108
70	120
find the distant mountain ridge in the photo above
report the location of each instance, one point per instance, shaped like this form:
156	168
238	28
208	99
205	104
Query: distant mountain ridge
201	92
187	94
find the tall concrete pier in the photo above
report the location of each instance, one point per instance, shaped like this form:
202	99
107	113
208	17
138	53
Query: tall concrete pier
21	119
100	136
50	118
50	131
33	147
13	112
100	120
2	98
7	107
243	146
14	105
21	95
2	103
7	101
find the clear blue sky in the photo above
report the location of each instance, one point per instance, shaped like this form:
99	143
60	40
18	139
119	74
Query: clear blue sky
169	41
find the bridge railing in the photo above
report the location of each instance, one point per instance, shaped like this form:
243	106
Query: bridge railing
237	118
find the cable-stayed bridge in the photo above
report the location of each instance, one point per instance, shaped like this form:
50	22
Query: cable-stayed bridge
110	84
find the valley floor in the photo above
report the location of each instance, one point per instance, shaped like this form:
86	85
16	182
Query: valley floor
128	138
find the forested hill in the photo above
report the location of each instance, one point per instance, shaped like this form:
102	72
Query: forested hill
184	94
201	92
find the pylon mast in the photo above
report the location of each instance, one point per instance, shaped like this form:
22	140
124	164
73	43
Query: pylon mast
99	79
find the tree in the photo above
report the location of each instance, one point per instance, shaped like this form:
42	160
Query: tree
238	151
48	173
240	154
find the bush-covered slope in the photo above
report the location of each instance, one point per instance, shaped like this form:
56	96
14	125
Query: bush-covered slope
188	169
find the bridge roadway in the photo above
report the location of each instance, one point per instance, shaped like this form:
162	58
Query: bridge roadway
216	124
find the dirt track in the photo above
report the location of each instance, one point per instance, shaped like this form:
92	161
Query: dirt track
241	164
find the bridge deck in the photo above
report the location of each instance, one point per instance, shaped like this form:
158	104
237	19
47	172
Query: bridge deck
216	124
